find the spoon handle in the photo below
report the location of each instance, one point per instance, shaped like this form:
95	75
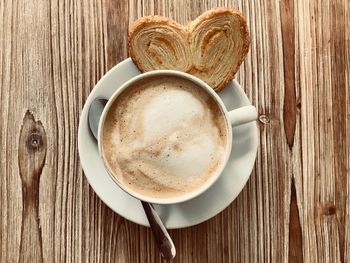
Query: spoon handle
161	235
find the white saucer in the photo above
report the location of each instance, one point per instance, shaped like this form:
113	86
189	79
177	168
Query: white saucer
195	211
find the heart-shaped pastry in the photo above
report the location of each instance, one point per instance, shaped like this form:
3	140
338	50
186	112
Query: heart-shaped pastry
212	47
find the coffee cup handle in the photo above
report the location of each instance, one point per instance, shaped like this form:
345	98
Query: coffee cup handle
243	115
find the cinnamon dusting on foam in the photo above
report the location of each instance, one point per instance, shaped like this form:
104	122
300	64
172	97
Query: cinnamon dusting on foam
164	137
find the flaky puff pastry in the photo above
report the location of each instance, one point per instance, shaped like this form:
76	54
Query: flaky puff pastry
212	47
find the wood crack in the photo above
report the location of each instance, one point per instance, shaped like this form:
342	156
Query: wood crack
288	42
31	160
295	234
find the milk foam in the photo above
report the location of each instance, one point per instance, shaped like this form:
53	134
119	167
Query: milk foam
164	137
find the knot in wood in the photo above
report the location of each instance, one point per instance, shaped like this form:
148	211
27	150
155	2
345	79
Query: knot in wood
329	209
34	141
264	119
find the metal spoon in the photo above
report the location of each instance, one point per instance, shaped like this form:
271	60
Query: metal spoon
161	235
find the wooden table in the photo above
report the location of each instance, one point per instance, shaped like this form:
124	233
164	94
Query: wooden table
296	204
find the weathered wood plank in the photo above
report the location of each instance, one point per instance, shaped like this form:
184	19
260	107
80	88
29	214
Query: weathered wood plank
296	204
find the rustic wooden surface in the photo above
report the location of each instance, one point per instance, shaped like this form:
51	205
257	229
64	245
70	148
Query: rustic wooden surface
296	204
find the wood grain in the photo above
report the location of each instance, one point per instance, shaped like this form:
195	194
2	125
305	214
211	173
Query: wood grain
294	208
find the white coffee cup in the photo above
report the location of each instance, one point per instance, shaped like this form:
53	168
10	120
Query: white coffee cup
235	117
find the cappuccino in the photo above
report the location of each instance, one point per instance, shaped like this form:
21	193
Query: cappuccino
164	137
